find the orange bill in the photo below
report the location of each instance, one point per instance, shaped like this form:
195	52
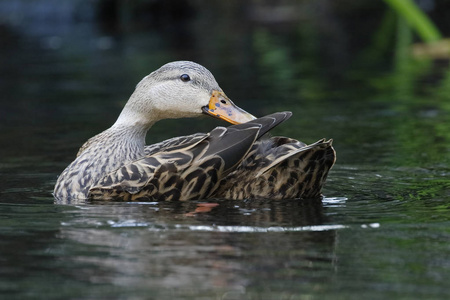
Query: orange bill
220	106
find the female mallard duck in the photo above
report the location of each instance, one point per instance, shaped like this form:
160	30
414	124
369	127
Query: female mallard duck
232	162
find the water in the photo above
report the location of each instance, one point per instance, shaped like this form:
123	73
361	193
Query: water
381	231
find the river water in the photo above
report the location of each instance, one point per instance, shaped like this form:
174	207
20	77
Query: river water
382	230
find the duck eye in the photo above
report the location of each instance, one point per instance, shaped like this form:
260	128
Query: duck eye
185	78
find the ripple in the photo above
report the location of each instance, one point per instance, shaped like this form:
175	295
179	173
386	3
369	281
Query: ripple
128	223
334	201
260	229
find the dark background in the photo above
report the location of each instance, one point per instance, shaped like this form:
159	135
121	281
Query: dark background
354	71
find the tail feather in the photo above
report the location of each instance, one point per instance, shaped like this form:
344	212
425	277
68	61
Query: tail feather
290	154
282	168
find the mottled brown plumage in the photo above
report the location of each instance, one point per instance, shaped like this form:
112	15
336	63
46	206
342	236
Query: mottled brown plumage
187	168
280	168
234	162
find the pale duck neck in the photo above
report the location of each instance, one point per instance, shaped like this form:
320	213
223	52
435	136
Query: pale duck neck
136	115
130	128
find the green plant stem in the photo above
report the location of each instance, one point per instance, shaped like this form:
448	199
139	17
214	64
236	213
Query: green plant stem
417	19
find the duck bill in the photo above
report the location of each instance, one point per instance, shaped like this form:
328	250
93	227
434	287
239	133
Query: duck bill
221	107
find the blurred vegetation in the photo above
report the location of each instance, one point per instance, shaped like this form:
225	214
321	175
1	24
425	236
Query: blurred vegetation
358	71
372	75
416	18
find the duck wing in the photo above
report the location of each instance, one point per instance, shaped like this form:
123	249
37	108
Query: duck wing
174	143
280	168
184	170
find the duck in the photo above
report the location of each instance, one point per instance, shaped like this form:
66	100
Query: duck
235	162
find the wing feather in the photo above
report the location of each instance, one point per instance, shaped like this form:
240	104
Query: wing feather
188	167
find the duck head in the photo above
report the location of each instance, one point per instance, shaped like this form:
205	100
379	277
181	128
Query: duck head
177	90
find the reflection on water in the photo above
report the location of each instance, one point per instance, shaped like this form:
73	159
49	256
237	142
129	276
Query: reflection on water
144	247
381	230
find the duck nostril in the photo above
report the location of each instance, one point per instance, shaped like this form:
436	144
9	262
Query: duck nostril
223	101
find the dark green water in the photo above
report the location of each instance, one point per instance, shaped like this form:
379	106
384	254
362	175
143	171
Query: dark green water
382	230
